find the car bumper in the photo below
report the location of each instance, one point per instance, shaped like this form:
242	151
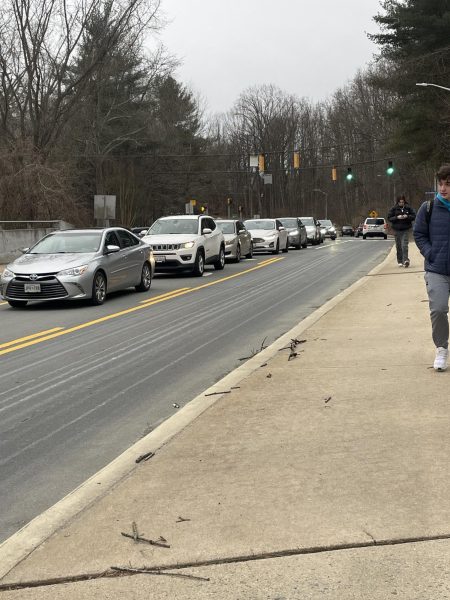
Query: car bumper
264	245
375	233
165	261
55	288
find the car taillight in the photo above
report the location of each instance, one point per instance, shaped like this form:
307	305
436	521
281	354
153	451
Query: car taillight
365	226
385	225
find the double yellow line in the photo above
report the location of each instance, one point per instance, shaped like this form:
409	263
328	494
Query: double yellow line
50	334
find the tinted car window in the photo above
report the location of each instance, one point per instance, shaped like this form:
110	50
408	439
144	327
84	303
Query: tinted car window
375	221
127	240
111	239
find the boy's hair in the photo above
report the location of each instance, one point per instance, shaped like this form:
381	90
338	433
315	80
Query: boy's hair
443	173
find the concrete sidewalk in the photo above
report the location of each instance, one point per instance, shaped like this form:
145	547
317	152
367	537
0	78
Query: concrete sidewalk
322	476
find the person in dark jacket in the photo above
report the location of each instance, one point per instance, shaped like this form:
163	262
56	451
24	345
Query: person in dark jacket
432	236
401	217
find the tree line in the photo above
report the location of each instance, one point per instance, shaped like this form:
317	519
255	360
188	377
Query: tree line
86	108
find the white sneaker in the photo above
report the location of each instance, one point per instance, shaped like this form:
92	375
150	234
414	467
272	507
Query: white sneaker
440	362
400	264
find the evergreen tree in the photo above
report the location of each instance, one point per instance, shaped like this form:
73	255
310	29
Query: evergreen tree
415	47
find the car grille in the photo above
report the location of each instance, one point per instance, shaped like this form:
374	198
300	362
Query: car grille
166	246
50	288
258	240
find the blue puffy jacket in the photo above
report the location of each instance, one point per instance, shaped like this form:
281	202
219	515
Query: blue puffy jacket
433	239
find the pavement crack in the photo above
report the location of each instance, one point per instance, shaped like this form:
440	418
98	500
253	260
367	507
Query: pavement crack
112	572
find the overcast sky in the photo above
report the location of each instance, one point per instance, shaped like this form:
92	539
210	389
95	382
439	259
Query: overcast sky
305	47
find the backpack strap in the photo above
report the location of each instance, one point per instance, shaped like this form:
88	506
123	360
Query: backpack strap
430	204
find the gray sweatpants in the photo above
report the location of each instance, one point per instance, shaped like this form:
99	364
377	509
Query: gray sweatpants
401	244
438	289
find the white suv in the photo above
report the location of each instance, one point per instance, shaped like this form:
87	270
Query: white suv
186	243
375	227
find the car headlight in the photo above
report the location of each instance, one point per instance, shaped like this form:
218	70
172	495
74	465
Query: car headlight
74	271
271	235
187	245
229	242
7	274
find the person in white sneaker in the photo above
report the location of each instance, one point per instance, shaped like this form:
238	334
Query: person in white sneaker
401	217
432	236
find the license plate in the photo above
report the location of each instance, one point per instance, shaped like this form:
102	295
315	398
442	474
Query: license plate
160	259
32	288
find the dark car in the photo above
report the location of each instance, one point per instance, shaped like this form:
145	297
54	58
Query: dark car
359	230
347	230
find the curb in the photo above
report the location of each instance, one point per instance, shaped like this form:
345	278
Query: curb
17	547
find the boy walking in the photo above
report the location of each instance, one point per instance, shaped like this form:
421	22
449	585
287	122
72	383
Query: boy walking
432	236
401	217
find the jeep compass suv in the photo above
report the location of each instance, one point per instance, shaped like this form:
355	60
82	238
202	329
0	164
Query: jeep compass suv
186	243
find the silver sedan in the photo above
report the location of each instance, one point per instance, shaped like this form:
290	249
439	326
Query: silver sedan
238	240
77	264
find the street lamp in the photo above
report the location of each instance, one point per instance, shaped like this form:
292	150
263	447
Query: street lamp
326	200
434	85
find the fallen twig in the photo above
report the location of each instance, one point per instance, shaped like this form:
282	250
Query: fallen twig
218	393
327	399
255	352
158	572
135	531
181	519
145	456
145	540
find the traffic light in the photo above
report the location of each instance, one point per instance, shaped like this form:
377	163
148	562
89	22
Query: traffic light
349	175
390	168
261	163
334	174
296	160
204	208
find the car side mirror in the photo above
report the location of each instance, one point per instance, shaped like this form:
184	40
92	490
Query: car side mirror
281	228
112	248
142	233
24	250
206	230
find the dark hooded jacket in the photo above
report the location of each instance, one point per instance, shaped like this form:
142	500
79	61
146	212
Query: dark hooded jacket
401	224
433	238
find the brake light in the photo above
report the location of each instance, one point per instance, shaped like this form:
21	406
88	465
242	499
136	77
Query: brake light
365	226
385	225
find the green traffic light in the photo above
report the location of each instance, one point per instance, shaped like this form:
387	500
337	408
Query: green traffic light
390	168
349	175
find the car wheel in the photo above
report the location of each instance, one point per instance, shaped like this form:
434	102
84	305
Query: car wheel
199	265
298	246
250	254
18	303
277	248
146	279
238	253
220	263
385	237
98	289
305	245
286	250
364	237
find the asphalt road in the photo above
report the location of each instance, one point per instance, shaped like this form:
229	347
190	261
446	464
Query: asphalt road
80	384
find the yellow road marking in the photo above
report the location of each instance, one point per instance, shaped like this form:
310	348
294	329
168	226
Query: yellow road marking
57	332
29	337
167	295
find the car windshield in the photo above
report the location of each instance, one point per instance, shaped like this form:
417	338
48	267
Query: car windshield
173	226
226	226
61	243
375	221
260	224
289	222
326	222
307	220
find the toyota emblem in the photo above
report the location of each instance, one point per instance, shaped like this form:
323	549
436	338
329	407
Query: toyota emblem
33	277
